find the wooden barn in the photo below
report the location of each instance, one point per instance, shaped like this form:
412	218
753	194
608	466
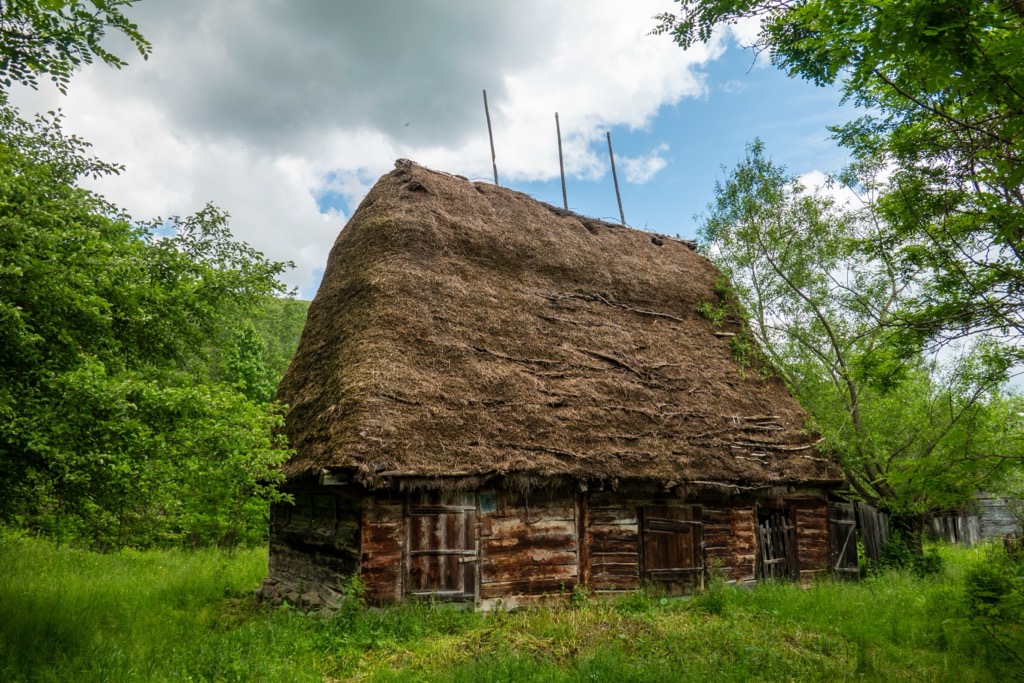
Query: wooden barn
495	401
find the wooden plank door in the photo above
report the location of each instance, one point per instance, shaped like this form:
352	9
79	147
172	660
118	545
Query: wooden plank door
874	530
443	554
776	536
673	549
842	528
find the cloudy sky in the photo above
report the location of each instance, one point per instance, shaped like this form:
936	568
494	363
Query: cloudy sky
284	113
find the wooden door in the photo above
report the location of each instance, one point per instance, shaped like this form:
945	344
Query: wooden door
842	527
443	552
776	544
673	549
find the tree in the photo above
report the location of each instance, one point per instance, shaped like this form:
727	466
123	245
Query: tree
247	365
943	81
279	323
55	37
911	434
117	422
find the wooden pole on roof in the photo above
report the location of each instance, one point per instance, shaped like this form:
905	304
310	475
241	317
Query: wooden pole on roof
618	197
561	166
490	134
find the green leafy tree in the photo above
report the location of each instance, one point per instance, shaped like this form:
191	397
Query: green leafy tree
912	435
943	82
247	365
116	425
129	412
55	37
279	322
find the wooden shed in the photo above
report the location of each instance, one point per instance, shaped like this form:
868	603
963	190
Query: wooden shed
495	400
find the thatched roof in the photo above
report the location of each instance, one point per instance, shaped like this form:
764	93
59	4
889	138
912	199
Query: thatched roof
467	330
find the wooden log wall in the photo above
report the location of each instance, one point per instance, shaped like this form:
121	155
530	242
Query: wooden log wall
529	546
812	539
730	541
382	546
314	546
612	540
615	558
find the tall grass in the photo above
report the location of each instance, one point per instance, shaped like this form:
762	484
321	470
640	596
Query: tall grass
67	615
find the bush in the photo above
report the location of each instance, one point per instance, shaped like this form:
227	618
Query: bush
901	554
994	601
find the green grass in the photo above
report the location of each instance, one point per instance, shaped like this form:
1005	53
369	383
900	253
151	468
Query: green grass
68	614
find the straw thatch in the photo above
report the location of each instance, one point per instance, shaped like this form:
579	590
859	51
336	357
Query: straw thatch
467	330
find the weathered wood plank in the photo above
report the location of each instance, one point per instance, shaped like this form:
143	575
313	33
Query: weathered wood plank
600	535
501	526
614	558
526	587
730	541
617	570
380	512
377	560
532	549
492	574
375	534
382	547
812	537
583	549
497	545
617	499
605	516
563	508
627	545
531	557
605	581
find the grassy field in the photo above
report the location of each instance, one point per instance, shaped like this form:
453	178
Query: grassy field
72	615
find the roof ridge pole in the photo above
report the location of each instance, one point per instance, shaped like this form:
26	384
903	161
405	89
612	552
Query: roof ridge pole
490	134
618	197
561	166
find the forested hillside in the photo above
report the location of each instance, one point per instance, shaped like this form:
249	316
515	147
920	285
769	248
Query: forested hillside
138	360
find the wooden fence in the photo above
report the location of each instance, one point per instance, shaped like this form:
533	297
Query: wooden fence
874	530
990	517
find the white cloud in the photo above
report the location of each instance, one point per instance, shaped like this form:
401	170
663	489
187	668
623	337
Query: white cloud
819	182
271	109
734	87
745	33
640	170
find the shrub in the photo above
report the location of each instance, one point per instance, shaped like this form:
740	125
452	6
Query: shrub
901	554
